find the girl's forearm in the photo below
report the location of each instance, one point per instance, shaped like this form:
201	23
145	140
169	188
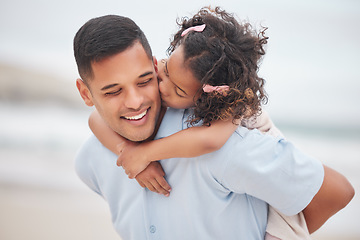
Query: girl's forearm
178	145
106	135
191	142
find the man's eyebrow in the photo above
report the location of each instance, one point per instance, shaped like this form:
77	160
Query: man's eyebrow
115	84
109	86
145	74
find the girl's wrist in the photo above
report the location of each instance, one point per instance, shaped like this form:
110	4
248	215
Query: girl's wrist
147	149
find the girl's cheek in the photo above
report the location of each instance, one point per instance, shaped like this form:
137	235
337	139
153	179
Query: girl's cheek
162	88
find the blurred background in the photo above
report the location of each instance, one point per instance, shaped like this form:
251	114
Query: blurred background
313	81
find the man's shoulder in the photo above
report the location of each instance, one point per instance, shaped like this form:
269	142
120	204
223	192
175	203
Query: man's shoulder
244	134
171	123
92	151
89	147
243	141
255	134
91	160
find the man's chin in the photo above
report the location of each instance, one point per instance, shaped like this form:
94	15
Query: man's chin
138	138
137	135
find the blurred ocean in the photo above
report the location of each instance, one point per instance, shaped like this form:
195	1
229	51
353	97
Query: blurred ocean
313	82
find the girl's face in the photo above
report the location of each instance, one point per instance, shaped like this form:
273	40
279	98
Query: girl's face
178	87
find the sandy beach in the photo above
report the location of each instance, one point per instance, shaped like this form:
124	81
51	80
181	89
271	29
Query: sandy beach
38	213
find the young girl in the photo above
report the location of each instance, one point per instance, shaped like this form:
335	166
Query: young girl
212	69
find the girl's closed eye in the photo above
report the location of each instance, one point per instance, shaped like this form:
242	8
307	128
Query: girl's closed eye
171	94
179	92
165	68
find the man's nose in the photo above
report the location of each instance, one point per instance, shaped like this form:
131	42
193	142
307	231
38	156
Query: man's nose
134	99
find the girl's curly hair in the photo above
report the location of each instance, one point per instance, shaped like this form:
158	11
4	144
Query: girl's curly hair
225	53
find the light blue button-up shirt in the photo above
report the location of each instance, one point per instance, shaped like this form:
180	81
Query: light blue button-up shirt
221	195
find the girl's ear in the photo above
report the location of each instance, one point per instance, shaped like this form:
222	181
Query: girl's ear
84	92
155	64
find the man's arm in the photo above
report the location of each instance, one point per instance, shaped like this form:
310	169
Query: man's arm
335	193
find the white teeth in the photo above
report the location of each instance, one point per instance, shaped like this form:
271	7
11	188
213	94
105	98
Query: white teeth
137	117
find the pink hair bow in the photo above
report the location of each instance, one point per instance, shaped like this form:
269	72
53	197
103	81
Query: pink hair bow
221	89
198	28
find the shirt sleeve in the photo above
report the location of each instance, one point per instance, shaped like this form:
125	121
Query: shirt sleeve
274	171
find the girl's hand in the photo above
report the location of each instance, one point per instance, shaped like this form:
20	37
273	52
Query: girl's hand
132	158
153	179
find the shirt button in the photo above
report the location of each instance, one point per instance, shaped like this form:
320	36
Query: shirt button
152	229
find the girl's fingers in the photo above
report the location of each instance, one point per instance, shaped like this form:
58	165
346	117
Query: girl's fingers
164	184
151	187
159	188
141	183
119	161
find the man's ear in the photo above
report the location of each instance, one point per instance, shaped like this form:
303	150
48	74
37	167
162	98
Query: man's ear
155	64
84	92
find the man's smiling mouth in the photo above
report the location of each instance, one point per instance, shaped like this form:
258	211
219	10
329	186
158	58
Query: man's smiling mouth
137	117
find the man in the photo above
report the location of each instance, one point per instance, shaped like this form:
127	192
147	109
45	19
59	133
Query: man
207	202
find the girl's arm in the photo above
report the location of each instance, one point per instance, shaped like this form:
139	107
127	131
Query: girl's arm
109	138
191	142
152	177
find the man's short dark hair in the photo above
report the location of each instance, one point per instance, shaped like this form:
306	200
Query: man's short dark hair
103	37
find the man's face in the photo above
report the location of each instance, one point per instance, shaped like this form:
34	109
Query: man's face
124	90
